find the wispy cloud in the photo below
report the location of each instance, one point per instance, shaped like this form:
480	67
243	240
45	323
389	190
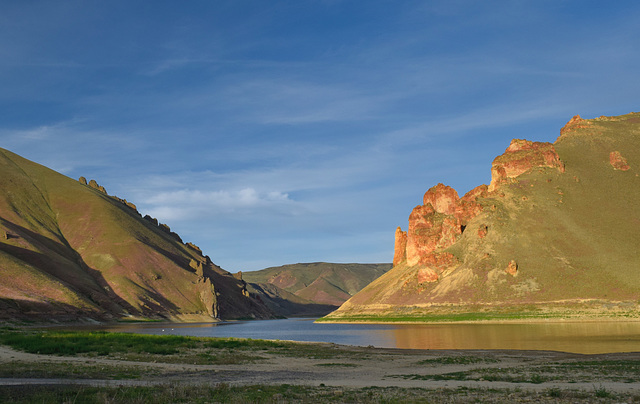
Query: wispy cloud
300	132
188	204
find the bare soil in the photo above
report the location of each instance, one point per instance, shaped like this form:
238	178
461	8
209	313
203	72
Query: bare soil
369	367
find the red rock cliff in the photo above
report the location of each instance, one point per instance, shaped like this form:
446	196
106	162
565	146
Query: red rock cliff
434	226
440	220
520	157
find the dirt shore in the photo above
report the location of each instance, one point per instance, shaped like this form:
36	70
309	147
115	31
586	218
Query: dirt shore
355	367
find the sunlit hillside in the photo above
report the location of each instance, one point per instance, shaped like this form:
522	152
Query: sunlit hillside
555	234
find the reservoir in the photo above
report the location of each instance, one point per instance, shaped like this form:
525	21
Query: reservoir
578	337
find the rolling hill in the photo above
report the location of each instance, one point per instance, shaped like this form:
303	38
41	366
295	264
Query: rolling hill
556	234
319	282
68	250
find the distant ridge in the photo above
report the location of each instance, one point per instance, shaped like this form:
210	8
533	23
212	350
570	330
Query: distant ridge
556	234
323	283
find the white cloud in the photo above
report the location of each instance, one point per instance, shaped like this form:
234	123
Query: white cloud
186	204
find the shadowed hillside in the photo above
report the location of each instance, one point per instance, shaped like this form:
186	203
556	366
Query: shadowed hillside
319	282
555	234
68	250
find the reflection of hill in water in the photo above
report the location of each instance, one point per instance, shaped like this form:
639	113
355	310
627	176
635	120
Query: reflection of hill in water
578	337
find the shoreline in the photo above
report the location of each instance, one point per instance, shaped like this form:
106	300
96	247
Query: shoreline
488	322
332	373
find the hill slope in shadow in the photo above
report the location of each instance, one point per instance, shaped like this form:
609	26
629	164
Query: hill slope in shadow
68	250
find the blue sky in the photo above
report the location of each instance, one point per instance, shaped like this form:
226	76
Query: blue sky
275	132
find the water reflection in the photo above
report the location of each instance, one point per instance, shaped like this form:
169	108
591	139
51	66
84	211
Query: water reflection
578	337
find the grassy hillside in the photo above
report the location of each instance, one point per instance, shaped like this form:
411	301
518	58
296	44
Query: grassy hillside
320	282
572	239
68	250
286	304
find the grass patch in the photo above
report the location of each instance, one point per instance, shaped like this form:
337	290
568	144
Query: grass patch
138	347
338	365
164	348
18	369
99	343
602	392
457	360
224	393
140	320
439	318
626	371
479	376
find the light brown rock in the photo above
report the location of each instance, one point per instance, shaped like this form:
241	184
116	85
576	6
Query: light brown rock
400	248
574	123
443	198
520	157
483	230
618	162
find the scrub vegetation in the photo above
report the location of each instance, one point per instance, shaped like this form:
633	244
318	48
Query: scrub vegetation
99	367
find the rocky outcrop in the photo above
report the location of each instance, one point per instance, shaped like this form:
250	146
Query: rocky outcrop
93	184
520	157
127	203
441	219
153	220
554	232
69	252
208	296
573	125
166	229
194	247
468	207
435	264
197	267
618	162
433	227
442	198
483	230
400	249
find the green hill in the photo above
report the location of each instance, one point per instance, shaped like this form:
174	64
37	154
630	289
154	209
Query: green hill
319	282
68	250
555	234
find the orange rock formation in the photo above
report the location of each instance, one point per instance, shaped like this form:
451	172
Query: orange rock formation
574	123
442	218
400	248
618	162
520	157
434	226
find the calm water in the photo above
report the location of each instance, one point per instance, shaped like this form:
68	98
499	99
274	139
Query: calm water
579	337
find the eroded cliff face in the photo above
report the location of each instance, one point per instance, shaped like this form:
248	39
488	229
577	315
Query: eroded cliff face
553	222
520	157
433	227
437	224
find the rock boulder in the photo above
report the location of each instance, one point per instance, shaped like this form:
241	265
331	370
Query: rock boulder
618	162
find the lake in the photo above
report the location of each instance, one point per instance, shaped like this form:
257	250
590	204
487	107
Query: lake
578	337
